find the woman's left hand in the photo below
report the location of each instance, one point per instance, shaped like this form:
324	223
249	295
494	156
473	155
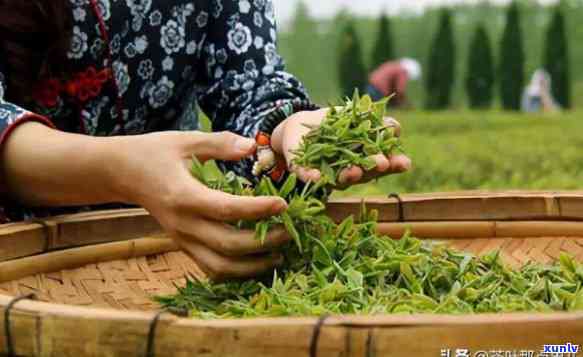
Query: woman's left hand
288	135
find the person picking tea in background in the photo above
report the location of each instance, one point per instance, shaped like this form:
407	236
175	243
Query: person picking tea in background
392	78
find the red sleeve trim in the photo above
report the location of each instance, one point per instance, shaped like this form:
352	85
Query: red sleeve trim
25	118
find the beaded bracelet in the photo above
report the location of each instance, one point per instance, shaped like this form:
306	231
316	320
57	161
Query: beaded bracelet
283	109
266	161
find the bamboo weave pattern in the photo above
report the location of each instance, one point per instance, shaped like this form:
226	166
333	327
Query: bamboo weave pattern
130	284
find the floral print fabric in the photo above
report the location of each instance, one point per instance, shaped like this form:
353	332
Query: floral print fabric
167	59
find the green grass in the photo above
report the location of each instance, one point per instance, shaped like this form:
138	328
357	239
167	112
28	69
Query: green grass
486	150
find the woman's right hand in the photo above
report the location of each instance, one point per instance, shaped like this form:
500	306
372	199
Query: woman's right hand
153	171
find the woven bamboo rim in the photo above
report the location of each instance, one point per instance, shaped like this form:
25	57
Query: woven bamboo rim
94	274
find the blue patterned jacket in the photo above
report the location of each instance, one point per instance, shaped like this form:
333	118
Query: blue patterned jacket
140	66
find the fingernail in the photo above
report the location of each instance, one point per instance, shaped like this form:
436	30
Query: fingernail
279	207
315	175
383	164
244	144
407	165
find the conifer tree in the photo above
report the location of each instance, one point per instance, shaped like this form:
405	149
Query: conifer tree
441	65
480	76
512	58
351	70
383	48
556	59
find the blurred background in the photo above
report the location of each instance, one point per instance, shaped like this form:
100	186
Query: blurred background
498	105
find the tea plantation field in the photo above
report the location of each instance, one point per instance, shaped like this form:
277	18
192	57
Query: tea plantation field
486	150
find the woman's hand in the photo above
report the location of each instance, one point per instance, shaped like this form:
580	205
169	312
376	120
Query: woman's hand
153	171
288	135
50	168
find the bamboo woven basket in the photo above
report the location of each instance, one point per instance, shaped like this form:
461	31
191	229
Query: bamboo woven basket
93	275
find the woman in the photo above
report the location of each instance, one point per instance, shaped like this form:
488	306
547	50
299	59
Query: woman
98	105
537	95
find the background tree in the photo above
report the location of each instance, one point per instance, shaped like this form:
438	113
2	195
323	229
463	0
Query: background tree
351	70
410	34
441	65
512	59
556	59
480	76
383	47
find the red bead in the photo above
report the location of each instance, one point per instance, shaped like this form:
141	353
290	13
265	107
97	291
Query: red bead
279	170
276	175
263	139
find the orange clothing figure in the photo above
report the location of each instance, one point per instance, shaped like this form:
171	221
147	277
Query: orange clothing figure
392	78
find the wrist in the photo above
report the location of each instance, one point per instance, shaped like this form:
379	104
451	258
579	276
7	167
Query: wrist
112	158
280	110
69	169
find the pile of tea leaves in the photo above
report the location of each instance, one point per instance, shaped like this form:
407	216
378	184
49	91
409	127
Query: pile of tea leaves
348	268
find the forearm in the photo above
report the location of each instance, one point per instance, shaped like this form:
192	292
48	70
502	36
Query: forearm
46	167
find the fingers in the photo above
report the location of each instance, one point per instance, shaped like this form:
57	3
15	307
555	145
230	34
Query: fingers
350	175
218	146
229	241
307	175
383	163
221	206
399	164
392	123
385	166
218	267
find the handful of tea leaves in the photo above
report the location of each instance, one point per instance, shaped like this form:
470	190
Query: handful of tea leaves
349	136
348	268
